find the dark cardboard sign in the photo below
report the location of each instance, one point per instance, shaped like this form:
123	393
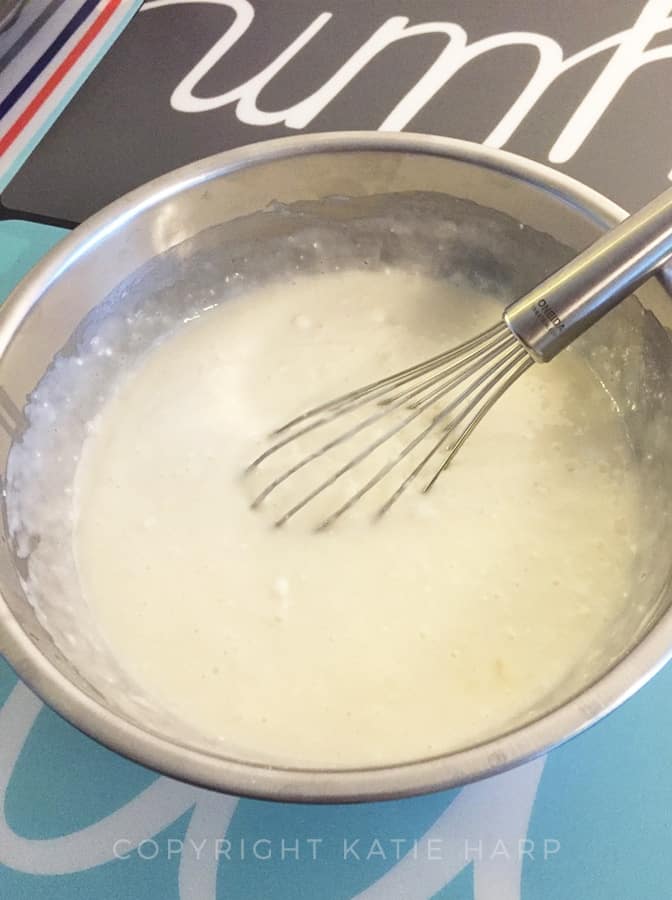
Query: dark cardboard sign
583	85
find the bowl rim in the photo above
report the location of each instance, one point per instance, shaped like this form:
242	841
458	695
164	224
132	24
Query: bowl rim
251	779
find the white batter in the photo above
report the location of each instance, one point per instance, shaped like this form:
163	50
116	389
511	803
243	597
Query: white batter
449	620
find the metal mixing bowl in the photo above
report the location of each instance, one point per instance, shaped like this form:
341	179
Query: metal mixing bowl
137	231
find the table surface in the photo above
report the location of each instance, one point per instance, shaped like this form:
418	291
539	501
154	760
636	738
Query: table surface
591	820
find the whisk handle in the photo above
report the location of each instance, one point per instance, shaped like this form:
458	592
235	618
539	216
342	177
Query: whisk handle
563	306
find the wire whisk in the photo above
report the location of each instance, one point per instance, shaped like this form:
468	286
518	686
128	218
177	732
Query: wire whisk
447	396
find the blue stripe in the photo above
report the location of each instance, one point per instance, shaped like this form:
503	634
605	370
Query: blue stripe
40	65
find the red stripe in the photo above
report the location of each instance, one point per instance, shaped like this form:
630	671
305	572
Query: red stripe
58	75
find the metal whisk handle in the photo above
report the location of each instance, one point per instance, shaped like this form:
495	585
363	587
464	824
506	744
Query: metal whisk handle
564	305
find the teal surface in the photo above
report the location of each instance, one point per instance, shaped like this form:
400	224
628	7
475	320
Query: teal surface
592	822
22	244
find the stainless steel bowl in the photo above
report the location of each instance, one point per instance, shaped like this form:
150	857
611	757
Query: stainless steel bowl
42	313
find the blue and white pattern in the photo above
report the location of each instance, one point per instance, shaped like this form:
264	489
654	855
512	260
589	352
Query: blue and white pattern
593	821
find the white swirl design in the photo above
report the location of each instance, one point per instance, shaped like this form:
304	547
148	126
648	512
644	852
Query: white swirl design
494	812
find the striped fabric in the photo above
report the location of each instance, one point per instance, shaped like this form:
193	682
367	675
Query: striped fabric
44	56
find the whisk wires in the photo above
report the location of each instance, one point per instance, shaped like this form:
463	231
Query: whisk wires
446	396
